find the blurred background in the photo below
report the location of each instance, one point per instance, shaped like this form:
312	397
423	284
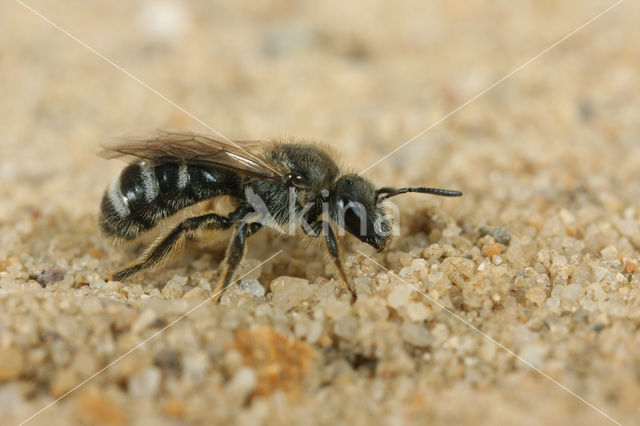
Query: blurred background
361	76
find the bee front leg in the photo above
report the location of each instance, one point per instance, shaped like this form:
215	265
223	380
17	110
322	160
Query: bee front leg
235	253
324	227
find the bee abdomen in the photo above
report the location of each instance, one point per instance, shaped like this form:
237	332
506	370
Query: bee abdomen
143	196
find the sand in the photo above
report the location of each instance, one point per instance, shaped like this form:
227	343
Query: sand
515	304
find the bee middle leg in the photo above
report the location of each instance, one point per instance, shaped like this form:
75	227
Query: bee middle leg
324	227
235	253
165	248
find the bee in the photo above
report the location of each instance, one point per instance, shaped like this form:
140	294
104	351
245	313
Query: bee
277	184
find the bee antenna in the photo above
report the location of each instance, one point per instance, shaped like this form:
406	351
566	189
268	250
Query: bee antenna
392	192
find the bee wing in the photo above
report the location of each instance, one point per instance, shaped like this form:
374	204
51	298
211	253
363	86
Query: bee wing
195	149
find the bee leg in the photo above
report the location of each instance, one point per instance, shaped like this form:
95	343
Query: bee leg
334	251
235	253
166	247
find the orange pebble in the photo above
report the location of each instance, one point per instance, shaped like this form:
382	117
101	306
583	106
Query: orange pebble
173	407
630	267
493	249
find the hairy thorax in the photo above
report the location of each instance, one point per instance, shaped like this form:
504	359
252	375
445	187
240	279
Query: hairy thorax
282	201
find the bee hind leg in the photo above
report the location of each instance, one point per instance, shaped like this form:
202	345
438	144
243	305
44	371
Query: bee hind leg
168	246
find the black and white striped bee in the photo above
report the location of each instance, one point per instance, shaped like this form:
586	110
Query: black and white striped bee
294	184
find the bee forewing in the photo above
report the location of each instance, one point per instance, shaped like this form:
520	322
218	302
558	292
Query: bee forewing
194	149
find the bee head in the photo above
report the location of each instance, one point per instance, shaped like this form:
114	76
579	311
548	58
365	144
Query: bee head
353	204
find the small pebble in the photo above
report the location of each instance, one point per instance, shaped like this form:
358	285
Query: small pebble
415	334
163	21
146	383
243	383
346	327
63	382
146	318
363	286
252	286
204	284
418	264
95	407
434	251
174	288
536	295
399	296
289	292
571	293
534	353
417	311
173	407
492	249
47	275
451	231
315	332
195	293
600	273
195	366
553	303
630	267
11	363
609	253
336	309
500	234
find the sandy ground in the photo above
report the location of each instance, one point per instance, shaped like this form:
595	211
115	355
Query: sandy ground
541	255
